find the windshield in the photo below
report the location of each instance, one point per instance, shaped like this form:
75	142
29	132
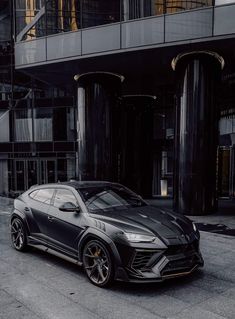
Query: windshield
109	198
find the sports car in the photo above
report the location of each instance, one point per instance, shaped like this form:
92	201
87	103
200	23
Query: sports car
108	229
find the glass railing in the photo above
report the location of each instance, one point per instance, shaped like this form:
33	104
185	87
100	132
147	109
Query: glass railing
37	18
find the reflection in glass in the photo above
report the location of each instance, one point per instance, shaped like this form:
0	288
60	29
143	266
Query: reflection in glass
96	12
44	195
55	16
42	124
134	9
26	13
62	16
47	124
173	6
23	125
110	198
64	196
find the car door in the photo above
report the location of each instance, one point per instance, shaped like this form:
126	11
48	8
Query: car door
64	228
39	203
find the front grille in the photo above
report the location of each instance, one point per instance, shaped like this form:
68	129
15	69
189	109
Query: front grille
179	249
142	259
180	265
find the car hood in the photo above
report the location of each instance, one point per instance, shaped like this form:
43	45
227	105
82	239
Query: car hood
162	223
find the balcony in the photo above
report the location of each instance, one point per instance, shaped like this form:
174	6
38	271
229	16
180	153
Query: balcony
126	35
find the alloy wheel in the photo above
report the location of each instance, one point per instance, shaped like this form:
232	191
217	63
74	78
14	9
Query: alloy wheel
97	263
18	234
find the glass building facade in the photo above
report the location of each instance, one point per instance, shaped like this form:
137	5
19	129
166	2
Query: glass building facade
40	17
127	116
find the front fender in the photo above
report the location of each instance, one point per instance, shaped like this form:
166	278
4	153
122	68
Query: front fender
92	233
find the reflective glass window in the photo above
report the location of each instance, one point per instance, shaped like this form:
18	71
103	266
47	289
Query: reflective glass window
30	12
64	124
173	6
4	126
62	16
33	194
110	198
44	195
42	124
23	125
96	12
5	23
135	9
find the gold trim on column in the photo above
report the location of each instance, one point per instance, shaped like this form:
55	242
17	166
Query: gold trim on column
218	57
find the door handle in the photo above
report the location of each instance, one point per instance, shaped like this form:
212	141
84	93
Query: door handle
50	218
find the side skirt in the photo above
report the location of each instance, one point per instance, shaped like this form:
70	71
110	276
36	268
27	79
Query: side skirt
41	246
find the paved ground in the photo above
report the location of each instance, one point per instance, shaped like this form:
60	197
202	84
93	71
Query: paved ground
225	214
37	285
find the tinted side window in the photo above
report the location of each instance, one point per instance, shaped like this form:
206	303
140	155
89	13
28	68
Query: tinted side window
64	196
33	194
44	195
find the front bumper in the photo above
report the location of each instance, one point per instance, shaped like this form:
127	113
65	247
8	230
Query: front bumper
148	265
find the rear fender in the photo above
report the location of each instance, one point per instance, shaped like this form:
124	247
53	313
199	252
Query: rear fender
16	213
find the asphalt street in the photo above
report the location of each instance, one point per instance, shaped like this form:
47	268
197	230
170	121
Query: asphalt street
37	285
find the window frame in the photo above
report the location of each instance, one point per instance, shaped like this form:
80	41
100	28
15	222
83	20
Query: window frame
41	189
64	189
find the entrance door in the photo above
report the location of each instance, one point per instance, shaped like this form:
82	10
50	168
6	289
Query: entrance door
31	172
48	171
26	174
20	175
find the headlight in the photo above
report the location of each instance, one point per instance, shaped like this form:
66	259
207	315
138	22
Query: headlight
138	238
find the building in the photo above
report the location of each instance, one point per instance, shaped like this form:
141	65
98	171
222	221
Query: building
140	92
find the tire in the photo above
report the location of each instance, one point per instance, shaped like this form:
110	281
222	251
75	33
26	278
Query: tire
97	263
18	234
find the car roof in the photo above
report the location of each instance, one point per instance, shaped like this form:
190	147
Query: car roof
76	184
83	184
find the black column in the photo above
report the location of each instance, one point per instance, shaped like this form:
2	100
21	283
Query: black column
135	143
97	95
196	132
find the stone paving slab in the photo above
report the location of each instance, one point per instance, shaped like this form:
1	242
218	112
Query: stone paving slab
36	285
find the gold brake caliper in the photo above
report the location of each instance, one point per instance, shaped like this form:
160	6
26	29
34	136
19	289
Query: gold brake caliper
97	253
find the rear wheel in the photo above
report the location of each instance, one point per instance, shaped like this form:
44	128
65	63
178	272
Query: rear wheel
18	234
97	263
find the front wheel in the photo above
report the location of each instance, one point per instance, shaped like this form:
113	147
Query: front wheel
97	263
18	234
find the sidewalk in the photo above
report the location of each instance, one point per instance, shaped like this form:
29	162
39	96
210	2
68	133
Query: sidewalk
225	217
6	204
36	285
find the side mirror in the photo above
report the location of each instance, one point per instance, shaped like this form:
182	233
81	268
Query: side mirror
69	207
